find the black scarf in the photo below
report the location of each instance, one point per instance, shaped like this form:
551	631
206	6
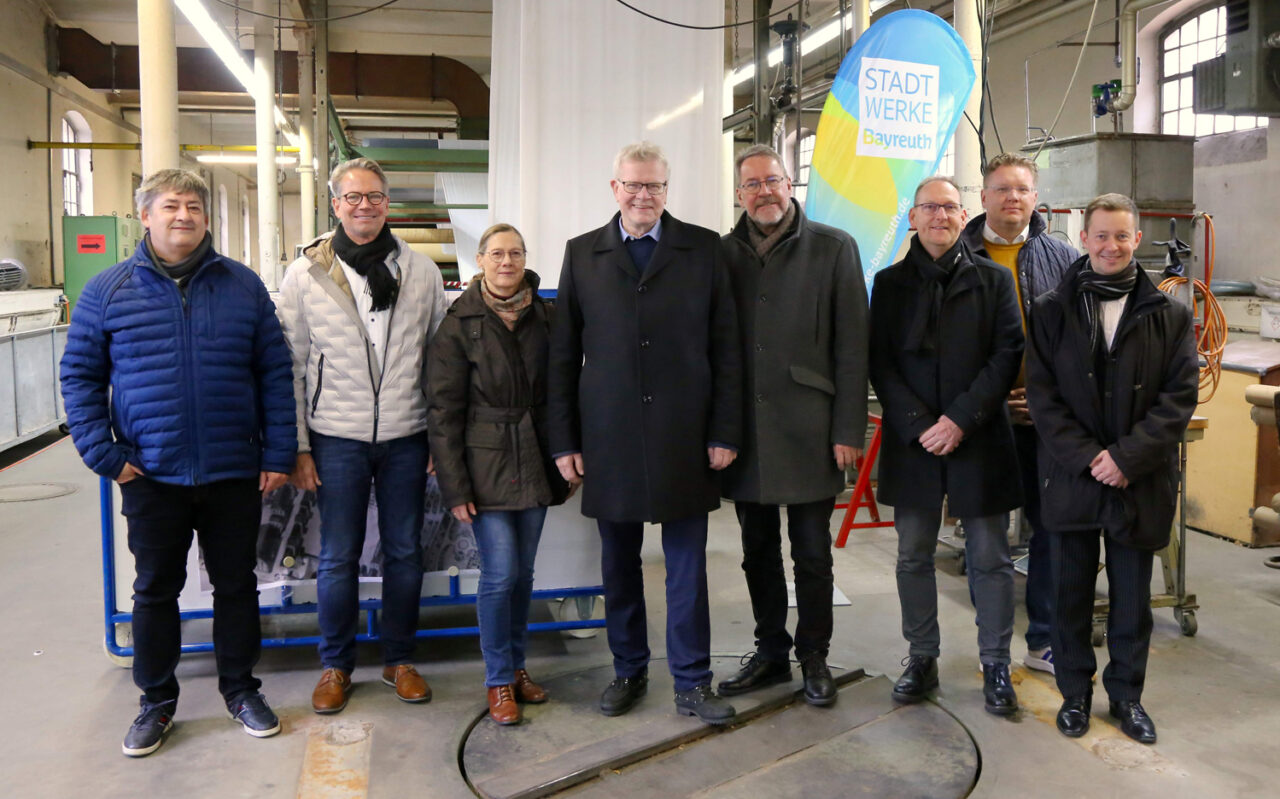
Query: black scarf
922	336
1094	287
370	262
181	271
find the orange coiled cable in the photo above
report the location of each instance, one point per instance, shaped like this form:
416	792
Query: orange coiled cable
1213	326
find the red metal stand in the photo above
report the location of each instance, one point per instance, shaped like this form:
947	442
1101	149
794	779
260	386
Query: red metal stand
862	495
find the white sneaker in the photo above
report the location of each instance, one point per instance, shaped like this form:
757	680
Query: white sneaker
1039	659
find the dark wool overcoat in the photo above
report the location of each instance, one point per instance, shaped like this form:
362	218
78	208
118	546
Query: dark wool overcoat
1138	411
803	311
645	372
966	377
487	406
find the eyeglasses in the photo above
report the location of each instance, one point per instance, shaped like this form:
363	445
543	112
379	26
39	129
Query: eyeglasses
1017	191
516	256
353	198
754	186
932	209
634	187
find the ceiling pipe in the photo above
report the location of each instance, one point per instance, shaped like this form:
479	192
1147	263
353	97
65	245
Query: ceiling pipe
1129	54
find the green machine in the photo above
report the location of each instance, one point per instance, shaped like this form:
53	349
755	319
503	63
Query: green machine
92	243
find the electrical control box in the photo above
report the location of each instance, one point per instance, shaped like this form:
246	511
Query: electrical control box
92	243
1246	78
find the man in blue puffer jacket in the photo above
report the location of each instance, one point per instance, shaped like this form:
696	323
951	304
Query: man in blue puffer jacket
178	385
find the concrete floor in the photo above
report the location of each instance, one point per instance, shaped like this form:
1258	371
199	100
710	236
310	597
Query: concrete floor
1215	697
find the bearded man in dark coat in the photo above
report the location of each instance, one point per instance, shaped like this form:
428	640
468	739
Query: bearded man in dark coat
946	345
644	408
802	304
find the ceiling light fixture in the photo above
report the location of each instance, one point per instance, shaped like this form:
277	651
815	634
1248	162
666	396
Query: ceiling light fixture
815	39
216	37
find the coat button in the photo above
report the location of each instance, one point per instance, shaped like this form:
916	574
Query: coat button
642	289
763	298
759	348
647	399
644	343
759	398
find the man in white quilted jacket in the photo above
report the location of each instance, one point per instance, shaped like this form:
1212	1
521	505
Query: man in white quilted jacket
357	310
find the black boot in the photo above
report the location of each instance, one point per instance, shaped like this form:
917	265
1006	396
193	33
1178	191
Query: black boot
997	690
1073	716
706	706
819	688
920	677
756	673
623	693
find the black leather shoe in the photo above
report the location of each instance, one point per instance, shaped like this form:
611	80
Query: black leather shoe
623	693
920	677
1073	716
700	702
1134	721
997	691
756	673
819	688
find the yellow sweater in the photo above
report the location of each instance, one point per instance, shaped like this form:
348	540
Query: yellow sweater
1007	256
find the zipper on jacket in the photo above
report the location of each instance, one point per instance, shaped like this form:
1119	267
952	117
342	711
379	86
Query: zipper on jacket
377	385
315	398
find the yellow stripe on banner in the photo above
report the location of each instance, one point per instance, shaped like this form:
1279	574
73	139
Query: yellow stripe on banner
865	181
336	763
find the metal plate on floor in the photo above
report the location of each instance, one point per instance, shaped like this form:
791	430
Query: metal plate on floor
781	747
31	492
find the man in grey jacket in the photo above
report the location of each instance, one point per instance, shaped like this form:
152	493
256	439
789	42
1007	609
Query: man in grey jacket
357	310
802	305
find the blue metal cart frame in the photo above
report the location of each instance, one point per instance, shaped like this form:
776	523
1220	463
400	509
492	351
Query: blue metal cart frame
113	616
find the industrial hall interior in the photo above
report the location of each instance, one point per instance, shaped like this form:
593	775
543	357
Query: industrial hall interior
640	398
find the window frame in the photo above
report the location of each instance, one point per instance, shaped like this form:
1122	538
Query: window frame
1183	80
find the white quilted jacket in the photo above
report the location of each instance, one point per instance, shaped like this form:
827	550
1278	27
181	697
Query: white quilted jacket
339	384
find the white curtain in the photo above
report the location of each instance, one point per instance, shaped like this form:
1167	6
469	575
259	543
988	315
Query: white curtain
572	82
465	188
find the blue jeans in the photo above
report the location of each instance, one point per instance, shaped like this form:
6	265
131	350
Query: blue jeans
508	544
396	471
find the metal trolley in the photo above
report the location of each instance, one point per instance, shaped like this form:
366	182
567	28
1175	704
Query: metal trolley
582	606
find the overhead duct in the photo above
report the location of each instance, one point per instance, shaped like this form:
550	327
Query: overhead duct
1129	54
114	68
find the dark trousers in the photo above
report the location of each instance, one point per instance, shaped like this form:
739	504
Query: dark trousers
684	547
161	519
1075	561
809	528
1039	554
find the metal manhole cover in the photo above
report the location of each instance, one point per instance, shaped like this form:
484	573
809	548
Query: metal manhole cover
29	492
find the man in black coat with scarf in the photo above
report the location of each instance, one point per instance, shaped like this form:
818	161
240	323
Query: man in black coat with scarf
1112	379
946	345
645	407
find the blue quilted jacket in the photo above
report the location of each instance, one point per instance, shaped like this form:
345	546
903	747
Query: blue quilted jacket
188	390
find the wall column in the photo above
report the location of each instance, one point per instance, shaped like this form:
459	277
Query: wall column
968	150
158	85
264	71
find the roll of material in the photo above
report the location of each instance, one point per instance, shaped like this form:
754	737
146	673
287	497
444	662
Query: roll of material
435	252
426	235
1275	503
1263	417
1267	519
1262	396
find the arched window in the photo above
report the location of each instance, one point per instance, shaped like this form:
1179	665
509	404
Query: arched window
77	167
245	241
224	221
1183	45
801	174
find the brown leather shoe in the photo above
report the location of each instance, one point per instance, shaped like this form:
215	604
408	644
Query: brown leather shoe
332	692
527	690
502	705
409	685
